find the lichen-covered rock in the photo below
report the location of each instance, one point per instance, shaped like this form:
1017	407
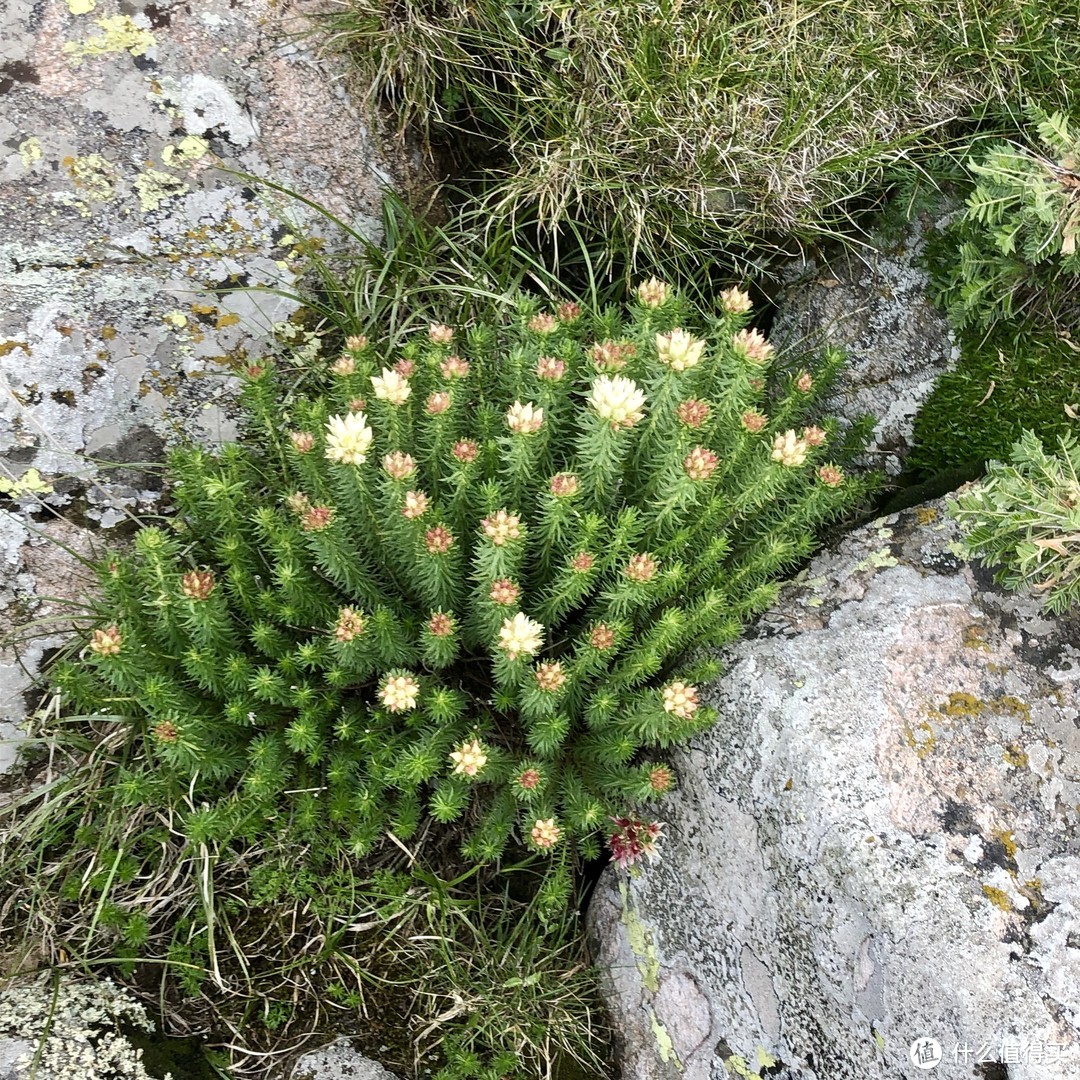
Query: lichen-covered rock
13	1052
70	1031
338	1061
874	305
129	250
878	843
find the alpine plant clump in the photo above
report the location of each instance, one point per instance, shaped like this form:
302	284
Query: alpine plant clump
473	583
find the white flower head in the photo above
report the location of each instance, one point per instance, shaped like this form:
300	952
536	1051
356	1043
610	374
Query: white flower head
617	400
524	419
348	438
521	636
391	386
469	758
789	450
679	350
398	693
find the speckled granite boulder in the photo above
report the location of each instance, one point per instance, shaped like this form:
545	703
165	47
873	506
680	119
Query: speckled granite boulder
338	1061
127	249
12	1053
874	306
878	843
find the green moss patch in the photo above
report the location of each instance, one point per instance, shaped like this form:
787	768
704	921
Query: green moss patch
1014	378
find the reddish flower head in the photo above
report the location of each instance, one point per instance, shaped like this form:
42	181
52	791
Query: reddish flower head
632	839
693	413
465	451
165	731
303	441
543	323
197	584
438	540
641	568
529	779
453	367
437	403
753	421
582	562
547	367
317	518
661	779
504	592
564	484
550	676
700	463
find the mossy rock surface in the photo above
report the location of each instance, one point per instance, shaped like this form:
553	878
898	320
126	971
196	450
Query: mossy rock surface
1011	379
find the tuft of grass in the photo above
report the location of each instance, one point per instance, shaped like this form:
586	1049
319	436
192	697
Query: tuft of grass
462	271
259	950
680	128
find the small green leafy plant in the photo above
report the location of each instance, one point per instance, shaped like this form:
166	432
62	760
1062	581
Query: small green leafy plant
1013	252
1024	519
464	584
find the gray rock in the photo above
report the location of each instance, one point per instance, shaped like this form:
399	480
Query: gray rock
874	306
878	843
13	1052
338	1061
130	251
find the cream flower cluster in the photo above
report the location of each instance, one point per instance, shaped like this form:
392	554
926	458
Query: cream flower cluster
524	419
521	636
469	758
680	699
545	833
348	439
679	350
399	693
501	527
789	450
391	386
617	400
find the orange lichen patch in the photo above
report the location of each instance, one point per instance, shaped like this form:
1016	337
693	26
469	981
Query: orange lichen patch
203	309
1013	706
108	333
1015	756
997	897
975	637
924	515
962	704
920	738
231	319
1008	842
7	347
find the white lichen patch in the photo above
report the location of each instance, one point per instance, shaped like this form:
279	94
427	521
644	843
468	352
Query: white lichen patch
75	1030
